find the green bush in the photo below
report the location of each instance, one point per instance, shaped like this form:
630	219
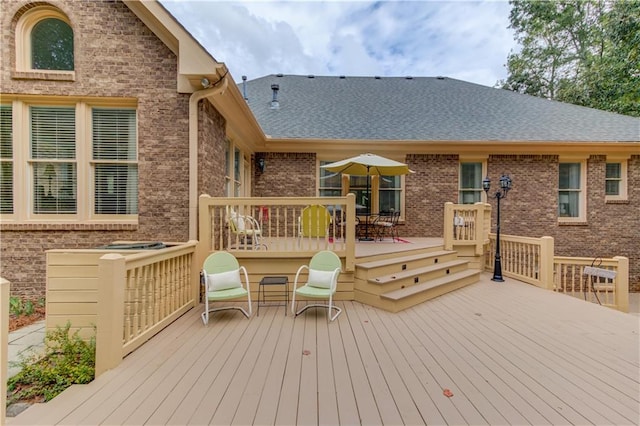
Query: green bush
15	305
67	360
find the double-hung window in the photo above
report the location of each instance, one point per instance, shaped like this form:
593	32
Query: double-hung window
115	161
69	161
52	159
390	190
330	184
470	190
571	191
616	179
234	171
381	193
6	160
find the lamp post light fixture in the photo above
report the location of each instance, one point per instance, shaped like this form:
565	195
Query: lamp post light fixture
505	186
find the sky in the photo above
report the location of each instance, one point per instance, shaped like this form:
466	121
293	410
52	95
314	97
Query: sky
464	39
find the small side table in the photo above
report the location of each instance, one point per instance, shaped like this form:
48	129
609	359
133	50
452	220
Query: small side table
270	281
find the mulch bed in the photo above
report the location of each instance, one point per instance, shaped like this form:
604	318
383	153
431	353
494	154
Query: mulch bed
16	322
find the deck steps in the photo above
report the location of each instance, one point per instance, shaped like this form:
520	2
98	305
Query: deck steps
407	279
401	263
410	296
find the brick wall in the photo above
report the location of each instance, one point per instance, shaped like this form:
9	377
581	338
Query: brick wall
530	209
434	183
211	151
116	55
286	175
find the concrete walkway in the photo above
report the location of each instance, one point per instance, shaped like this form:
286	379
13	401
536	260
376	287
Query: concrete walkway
24	341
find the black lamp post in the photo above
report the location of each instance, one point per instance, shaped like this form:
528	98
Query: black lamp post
505	186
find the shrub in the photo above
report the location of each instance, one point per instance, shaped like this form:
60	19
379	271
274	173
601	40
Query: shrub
67	360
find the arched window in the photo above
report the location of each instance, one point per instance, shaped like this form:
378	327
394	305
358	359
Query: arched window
44	43
52	45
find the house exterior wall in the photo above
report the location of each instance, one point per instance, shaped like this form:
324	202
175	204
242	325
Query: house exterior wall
530	209
211	150
434	183
286	175
116	55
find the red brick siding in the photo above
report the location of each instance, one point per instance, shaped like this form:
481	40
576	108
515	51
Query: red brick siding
116	55
286	175
434	183
211	151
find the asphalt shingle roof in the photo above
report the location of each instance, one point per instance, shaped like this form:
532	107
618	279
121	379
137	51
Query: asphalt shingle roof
423	109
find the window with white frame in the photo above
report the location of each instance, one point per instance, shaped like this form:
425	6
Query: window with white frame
616	180
52	159
470	190
390	190
115	161
382	193
6	159
571	198
44	41
330	184
80	162
234	164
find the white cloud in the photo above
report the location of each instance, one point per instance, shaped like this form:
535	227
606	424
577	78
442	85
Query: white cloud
469	40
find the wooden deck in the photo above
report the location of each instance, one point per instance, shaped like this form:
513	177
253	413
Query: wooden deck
509	353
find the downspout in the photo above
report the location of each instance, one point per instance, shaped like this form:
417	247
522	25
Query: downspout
217	89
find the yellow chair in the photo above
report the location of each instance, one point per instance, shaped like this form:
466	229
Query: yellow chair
314	222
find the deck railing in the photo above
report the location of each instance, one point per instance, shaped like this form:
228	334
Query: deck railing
523	258
139	295
569	277
467	225
272	227
4	343
532	260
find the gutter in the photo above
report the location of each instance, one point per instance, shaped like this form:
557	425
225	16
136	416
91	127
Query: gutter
218	88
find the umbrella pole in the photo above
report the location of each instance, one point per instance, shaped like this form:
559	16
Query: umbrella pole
366	224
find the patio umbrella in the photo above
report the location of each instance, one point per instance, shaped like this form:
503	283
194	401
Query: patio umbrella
368	165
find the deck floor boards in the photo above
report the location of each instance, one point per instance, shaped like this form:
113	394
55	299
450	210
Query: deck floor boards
508	352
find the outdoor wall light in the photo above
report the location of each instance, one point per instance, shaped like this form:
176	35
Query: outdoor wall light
205	83
261	164
505	186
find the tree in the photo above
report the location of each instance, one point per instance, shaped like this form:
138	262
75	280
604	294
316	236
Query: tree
580	51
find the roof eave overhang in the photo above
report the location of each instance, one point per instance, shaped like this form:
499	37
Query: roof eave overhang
355	146
194	62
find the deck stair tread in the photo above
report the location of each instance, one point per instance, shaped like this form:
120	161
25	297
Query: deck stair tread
385	279
404	259
431	284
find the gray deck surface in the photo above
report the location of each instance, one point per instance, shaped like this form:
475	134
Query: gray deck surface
508	353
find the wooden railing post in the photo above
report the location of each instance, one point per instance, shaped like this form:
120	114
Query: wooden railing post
545	272
480	231
622	289
4	343
350	232
109	333
448	225
196	265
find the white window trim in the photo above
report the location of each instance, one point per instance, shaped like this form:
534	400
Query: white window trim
473	159
582	198
24	27
230	179
623	195
23	176
374	187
